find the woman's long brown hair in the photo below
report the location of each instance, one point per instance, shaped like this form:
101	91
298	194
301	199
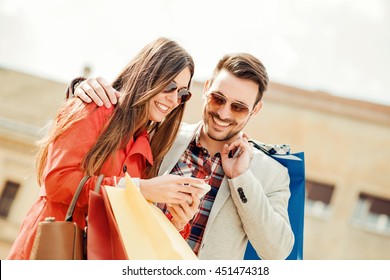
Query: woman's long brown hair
147	74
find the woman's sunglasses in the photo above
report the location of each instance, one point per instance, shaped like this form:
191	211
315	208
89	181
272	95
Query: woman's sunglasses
217	101
183	94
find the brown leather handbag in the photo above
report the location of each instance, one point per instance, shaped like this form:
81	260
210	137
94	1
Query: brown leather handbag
61	240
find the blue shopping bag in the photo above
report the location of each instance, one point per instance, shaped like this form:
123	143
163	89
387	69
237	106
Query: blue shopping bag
295	163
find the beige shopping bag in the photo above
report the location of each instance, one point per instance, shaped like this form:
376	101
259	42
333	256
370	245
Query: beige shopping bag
146	232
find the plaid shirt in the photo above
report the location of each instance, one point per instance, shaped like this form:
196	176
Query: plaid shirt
197	162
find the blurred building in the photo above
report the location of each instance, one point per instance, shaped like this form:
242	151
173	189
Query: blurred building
346	145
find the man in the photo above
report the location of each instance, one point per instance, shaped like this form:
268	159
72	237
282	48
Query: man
250	191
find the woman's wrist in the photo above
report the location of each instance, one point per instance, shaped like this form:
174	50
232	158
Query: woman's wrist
141	187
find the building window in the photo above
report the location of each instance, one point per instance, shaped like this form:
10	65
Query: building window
7	197
318	197
372	213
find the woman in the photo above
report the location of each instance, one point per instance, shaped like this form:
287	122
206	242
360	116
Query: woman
86	139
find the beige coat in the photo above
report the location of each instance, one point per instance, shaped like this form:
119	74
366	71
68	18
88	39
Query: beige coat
252	206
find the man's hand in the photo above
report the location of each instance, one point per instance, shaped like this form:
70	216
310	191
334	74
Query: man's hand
239	163
97	90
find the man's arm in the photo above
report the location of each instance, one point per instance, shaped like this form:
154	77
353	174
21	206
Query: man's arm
262	207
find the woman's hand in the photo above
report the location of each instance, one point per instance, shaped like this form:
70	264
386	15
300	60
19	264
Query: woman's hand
170	189
184	212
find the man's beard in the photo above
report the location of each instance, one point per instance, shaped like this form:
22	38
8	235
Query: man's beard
222	138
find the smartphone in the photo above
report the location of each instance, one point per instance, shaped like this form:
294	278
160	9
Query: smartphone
205	189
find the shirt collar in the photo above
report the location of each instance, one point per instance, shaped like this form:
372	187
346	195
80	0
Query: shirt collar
197	136
141	145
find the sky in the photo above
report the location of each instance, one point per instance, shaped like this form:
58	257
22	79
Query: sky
338	46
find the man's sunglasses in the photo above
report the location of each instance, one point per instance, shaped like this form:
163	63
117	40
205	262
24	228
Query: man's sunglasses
183	94
217	101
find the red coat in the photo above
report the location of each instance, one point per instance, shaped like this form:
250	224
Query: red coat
63	173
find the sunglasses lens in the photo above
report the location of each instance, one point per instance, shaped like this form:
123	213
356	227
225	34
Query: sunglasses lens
216	100
183	96
238	110
170	88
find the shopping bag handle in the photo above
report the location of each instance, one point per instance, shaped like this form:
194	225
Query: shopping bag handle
257	146
69	214
271	149
99	182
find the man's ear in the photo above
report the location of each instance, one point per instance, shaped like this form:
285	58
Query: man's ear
206	87
257	108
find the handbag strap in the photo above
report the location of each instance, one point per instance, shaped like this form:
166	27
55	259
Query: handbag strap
69	214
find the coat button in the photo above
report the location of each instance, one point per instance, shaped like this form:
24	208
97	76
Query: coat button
242	195
124	169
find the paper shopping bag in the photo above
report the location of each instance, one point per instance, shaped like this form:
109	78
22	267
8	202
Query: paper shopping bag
103	241
145	231
295	164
